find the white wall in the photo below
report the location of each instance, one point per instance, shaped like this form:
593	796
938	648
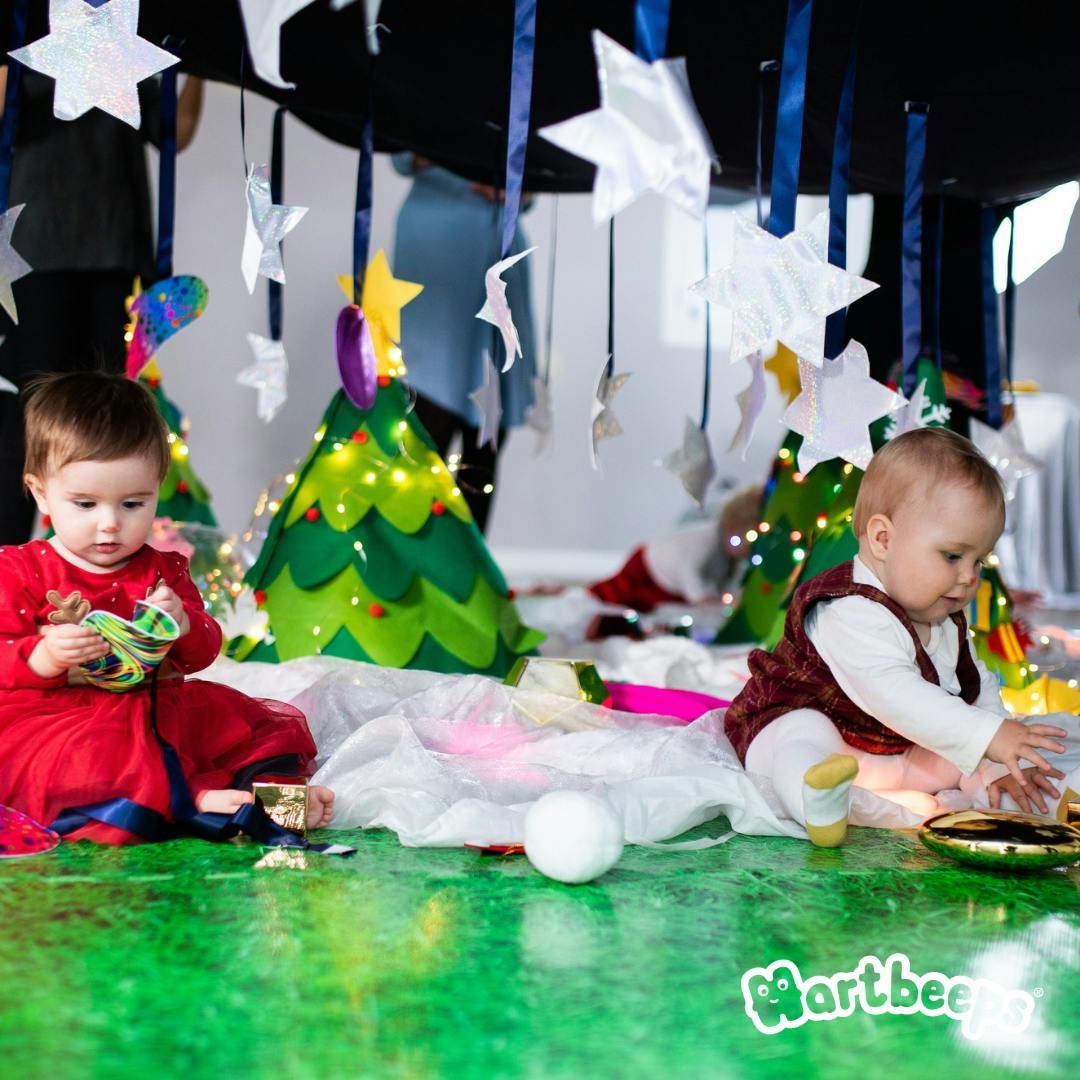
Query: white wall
554	500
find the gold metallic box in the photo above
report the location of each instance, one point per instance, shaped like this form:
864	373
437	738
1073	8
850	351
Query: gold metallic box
568	678
286	804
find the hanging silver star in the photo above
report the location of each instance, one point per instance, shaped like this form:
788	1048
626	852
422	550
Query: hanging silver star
12	265
488	400
538	415
267	225
268	375
604	423
782	290
647	133
693	462
497	311
751	401
1005	450
835	408
96	57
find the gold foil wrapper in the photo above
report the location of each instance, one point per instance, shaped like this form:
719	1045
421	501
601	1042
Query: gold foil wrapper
1002	838
1069	808
285	804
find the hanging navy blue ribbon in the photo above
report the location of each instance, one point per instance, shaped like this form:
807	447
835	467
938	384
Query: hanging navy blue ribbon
787	147
11	104
166	175
650	28
988	222
517	136
835	336
275	290
362	216
1010	302
611	297
767	67
911	243
932	318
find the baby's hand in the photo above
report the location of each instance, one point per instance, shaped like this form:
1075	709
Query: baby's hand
66	646
1014	740
1036	780
163	597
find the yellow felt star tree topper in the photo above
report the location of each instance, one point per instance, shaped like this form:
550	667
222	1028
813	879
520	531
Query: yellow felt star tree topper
384	297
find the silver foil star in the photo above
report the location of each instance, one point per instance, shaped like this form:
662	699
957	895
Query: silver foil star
268	375
12	265
782	290
488	399
604	423
693	462
1005	450
267	225
837	404
647	133
497	311
96	57
538	415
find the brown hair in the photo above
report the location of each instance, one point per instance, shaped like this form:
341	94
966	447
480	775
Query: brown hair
90	416
918	461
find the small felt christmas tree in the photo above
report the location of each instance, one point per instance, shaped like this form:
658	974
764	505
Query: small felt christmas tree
183	496
373	554
806	523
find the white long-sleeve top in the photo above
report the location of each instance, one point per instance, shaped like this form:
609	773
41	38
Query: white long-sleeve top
872	657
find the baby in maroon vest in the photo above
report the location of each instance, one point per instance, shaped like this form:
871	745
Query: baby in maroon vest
874	683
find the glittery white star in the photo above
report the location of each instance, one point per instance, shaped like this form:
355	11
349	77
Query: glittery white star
96	57
497	311
604	423
782	290
693	462
267	225
539	415
835	408
268	375
1005	450
262	24
488	399
647	134
12	265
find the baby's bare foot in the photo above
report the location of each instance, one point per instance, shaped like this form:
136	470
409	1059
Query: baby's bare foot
320	807
224	801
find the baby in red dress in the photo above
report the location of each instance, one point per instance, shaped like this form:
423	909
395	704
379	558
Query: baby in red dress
96	453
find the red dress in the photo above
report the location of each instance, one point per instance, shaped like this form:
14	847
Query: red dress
63	747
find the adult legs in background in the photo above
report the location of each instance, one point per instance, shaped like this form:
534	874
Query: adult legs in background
476	469
68	321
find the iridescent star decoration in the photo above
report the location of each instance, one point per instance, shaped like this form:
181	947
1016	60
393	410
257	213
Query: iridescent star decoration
96	57
497	311
751	401
605	424
693	462
487	398
837	404
782	290
268	375
12	265
647	133
539	415
267	225
1005	450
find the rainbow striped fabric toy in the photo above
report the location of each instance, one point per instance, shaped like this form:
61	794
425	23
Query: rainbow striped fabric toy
137	646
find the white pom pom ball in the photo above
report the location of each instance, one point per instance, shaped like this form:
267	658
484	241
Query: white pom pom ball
573	836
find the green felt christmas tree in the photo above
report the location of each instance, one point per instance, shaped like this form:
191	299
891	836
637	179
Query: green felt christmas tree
373	555
806	524
183	496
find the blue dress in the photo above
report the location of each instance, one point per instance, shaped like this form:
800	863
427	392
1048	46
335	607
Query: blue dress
447	236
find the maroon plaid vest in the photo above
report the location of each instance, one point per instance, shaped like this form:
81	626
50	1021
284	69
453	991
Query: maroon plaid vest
794	676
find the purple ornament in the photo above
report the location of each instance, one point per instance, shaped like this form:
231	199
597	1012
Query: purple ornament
356	357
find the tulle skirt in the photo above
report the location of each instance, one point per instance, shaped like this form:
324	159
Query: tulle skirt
70	747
